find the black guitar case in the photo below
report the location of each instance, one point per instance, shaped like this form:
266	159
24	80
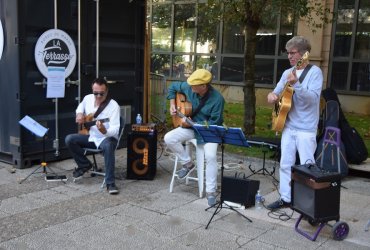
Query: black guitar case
330	155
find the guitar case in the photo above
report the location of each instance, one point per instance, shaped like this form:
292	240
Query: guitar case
355	148
327	153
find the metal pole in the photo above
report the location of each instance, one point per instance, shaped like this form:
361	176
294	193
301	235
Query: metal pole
79	53
97	38
56	141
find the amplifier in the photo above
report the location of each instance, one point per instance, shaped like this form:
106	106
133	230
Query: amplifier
144	128
239	190
316	192
141	155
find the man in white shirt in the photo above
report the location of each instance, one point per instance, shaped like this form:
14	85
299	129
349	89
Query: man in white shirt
103	134
299	132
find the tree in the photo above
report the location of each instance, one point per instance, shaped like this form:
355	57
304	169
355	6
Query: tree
252	14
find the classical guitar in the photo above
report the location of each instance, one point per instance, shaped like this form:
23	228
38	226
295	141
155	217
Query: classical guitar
89	122
284	104
184	109
187	119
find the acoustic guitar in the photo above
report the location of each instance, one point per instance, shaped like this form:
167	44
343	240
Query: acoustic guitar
284	104
184	109
89	122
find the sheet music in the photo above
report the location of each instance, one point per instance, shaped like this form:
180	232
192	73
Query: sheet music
33	126
220	134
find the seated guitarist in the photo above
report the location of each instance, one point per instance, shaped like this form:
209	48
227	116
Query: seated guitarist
103	135
207	107
299	131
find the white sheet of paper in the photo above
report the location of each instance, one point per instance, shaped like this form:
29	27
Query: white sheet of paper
33	126
56	82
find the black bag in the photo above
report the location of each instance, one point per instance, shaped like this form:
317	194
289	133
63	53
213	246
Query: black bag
355	147
329	151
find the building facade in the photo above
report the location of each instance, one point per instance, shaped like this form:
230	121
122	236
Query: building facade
184	38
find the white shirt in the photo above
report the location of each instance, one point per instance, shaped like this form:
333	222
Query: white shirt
111	111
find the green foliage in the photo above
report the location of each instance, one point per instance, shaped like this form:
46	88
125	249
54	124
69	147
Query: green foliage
314	12
233	117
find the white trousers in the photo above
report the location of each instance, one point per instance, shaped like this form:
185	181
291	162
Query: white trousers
174	140
291	141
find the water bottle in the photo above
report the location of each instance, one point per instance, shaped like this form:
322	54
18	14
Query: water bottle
259	199
138	119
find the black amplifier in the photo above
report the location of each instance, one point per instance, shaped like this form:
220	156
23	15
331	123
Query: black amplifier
144	128
316	192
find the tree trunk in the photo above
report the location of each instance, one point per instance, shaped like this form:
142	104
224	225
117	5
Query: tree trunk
249	86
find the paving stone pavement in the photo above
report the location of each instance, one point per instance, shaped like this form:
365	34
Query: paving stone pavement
37	214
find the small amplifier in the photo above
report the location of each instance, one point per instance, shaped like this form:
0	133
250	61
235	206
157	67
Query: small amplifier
316	192
239	190
144	128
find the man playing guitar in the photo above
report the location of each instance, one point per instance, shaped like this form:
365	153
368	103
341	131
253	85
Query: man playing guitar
299	131
103	134
207	107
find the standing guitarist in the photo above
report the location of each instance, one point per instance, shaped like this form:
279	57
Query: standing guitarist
207	106
103	135
299	131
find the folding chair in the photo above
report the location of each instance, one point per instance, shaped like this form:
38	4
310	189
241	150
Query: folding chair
93	151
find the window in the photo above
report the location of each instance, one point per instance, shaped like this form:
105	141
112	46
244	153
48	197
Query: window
184	28
184	38
351	41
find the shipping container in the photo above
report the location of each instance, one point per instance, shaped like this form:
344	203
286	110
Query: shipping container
108	36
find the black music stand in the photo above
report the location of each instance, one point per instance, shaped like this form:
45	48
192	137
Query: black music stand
264	145
222	135
40	131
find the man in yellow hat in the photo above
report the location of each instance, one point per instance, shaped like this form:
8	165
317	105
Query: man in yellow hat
207	105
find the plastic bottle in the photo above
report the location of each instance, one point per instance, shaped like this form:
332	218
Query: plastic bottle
138	119
258	202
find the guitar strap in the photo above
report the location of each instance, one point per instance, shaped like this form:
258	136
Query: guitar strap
202	102
304	73
102	107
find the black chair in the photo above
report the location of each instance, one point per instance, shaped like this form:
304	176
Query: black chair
94	151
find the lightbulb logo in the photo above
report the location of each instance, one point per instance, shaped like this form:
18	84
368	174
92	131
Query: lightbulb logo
55	48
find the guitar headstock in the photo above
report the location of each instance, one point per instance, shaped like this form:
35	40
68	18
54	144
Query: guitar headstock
303	60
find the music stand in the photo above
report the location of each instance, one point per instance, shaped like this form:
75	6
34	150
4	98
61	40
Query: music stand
40	131
264	145
222	135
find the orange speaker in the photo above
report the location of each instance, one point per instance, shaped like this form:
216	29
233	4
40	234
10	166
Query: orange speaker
142	155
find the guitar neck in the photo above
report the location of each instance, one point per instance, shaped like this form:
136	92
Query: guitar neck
92	123
190	122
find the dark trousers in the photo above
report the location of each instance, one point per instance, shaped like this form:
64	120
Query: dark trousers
75	144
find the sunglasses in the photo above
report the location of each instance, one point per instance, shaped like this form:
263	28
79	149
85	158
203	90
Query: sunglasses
99	93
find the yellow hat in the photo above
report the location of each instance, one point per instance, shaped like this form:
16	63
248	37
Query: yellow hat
200	76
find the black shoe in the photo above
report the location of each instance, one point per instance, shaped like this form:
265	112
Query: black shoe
78	173
112	189
278	204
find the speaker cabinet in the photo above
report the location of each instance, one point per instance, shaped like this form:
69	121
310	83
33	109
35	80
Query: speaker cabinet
315	192
141	155
239	190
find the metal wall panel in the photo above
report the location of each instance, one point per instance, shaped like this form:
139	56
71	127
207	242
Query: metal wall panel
121	49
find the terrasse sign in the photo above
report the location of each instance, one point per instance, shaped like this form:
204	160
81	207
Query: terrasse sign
55	48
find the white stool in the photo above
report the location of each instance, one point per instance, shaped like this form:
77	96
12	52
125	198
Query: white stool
199	154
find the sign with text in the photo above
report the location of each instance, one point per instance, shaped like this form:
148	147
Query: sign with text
55	48
56	82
